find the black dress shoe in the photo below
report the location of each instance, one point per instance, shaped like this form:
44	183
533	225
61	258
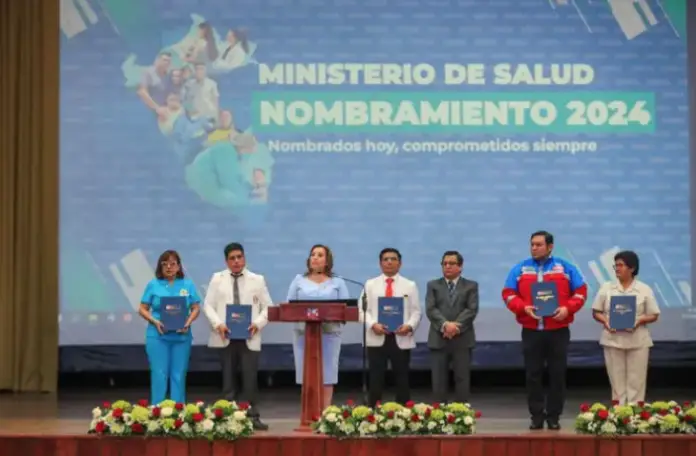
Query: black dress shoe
553	425
259	425
536	425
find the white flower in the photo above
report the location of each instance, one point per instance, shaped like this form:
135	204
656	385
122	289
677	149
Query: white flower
199	404
185	428
239	415
166	412
208	425
96	413
406	413
127	418
414	426
331	417
653	420
608	428
432	425
117	428
153	426
587	416
468	420
372	427
93	424
447	429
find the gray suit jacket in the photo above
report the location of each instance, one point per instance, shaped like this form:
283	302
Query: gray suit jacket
461	308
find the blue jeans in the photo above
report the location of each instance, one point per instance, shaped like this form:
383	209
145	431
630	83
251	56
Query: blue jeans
169	360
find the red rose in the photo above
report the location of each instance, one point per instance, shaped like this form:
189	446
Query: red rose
378	404
142	403
156	412
219	413
427	412
370	418
315	418
436	405
350	402
662	412
415	418
137	428
243	406
390	414
197	417
100	427
451	418
346	414
178	423
641	404
645	415
688	418
106	405
687	404
615	402
626	420
584	408
179	406
410	404
677	410
602	415
118	414
477	414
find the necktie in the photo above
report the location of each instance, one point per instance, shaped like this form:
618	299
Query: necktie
389	292
450	285
227	51
235	288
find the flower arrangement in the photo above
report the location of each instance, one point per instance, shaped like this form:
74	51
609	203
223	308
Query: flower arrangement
636	418
223	420
392	420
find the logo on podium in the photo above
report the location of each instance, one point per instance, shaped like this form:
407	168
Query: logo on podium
312	314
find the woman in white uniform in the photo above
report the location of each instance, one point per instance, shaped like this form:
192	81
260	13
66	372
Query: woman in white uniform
626	353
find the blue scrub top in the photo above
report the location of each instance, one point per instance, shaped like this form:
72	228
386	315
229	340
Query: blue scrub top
157	288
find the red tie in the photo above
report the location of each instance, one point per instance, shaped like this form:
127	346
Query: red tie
390	290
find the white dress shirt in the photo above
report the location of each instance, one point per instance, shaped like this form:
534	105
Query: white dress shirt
401	287
252	291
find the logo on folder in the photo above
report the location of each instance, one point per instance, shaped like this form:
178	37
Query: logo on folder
622	309
544	295
235	316
390	309
312	314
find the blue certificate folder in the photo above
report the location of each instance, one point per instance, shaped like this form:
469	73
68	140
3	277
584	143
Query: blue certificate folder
544	298
391	312
238	321
622	312
173	312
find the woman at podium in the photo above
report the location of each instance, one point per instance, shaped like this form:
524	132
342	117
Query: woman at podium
318	284
168	349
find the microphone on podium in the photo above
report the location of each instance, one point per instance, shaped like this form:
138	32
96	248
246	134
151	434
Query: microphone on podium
363	306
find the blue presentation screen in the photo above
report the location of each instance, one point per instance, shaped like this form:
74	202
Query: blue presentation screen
425	125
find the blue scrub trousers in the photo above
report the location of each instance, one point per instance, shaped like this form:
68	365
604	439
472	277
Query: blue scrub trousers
169	360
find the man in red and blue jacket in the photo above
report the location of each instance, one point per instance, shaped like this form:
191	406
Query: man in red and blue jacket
545	340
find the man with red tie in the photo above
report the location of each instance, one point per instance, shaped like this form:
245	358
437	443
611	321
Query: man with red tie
383	345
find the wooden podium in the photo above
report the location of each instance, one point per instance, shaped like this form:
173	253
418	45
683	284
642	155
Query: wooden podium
313	314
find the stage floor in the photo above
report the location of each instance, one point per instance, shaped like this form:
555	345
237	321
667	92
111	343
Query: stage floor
68	413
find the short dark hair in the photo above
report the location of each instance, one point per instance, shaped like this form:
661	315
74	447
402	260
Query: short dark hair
630	258
232	247
548	237
390	250
460	258
166	255
328	270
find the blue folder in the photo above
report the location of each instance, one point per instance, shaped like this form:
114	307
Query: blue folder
622	312
545	298
390	312
173	313
238	321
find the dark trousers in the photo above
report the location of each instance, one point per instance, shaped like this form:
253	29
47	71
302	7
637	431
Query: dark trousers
545	349
237	357
400	360
460	357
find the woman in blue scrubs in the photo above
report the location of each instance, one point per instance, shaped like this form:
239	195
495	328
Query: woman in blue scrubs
168	352
318	283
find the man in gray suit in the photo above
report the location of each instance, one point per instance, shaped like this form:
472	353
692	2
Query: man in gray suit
451	304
